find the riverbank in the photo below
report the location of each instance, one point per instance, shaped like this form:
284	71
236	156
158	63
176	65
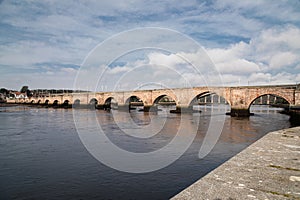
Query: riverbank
268	169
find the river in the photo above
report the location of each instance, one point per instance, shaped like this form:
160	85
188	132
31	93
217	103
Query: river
42	156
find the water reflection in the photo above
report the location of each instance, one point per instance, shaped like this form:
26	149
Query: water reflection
43	158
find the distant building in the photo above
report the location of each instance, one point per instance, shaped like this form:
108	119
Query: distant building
17	95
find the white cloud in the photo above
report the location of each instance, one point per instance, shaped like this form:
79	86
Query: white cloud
157	58
286	11
118	69
233	60
255	41
273	49
283	38
283	59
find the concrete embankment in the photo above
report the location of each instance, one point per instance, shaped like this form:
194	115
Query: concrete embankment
267	169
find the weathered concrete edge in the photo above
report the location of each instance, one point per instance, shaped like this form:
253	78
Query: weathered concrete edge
267	169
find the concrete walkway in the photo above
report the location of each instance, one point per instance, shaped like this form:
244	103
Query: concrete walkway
268	169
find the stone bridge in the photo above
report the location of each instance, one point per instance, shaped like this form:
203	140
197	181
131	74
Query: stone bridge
239	98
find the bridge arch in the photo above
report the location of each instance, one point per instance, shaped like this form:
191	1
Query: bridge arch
277	93
194	101
93	103
133	98
133	102
156	97
76	102
275	99
110	102
163	98
32	101
66	103
46	102
213	97
55	103
39	101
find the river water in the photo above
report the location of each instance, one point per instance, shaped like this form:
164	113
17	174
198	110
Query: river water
42	156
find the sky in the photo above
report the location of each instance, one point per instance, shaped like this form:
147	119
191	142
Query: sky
57	44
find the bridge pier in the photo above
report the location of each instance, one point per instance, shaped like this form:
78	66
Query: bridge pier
150	108
102	106
184	109
239	112
124	107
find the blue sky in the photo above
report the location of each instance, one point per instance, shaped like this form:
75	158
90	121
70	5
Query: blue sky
44	43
